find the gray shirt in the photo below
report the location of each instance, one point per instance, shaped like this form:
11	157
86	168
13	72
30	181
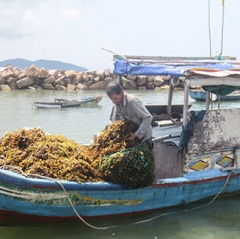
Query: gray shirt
134	110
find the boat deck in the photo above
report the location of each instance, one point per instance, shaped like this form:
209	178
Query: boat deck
167	131
165	128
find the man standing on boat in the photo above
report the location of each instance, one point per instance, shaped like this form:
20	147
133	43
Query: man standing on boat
129	107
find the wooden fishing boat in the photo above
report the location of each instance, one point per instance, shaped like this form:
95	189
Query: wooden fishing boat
196	158
200	95
63	103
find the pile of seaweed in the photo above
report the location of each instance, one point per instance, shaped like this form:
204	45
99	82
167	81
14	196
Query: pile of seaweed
34	152
54	156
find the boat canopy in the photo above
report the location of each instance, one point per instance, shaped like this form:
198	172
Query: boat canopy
178	69
218	77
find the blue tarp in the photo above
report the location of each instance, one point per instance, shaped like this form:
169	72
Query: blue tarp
187	131
122	67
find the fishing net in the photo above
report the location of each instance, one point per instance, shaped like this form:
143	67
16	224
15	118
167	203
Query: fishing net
133	167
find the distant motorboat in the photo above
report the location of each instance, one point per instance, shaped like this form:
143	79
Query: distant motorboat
63	103
200	95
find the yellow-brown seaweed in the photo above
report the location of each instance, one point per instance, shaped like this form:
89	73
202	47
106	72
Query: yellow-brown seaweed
36	153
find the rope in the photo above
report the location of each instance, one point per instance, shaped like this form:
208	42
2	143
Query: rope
71	203
187	210
64	190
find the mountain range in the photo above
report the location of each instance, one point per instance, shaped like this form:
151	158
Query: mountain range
47	64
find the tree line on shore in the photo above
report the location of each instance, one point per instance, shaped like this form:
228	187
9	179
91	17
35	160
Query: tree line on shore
33	78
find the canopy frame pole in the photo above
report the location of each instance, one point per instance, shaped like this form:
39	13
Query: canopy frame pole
170	96
207	100
119	80
185	106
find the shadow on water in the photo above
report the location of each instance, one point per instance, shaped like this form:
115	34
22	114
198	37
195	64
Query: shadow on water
220	220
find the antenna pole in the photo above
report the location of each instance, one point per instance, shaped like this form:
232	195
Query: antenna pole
209	29
222	26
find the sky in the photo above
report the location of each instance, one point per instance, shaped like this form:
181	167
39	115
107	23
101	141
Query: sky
76	31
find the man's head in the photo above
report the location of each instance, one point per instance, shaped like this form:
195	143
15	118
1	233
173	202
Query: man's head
115	92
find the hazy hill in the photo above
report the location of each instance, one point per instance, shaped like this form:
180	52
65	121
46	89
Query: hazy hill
47	64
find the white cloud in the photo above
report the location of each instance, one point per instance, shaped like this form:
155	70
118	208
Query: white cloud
70	13
75	30
26	17
18	19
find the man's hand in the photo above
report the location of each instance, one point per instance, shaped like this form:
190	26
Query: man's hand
132	136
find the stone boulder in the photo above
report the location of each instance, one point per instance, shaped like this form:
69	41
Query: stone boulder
60	80
25	82
49	80
5	87
70	73
99	85
158	81
2	80
141	80
71	87
11	80
43	73
128	84
101	75
32	71
109	79
60	87
48	87
8	73
81	86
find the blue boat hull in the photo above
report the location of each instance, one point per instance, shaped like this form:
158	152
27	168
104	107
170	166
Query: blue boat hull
40	201
201	96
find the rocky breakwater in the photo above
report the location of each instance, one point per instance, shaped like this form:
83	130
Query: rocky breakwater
33	78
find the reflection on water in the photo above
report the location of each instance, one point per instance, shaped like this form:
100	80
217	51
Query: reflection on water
219	221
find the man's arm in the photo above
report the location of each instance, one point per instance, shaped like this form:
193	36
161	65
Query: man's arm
141	111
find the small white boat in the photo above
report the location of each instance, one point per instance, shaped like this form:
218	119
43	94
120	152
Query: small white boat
62	103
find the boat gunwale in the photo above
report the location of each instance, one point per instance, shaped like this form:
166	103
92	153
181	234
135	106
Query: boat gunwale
19	180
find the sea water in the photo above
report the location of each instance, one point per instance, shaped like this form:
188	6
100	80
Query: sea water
220	220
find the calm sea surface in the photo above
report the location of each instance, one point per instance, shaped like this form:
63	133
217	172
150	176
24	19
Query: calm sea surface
219	220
